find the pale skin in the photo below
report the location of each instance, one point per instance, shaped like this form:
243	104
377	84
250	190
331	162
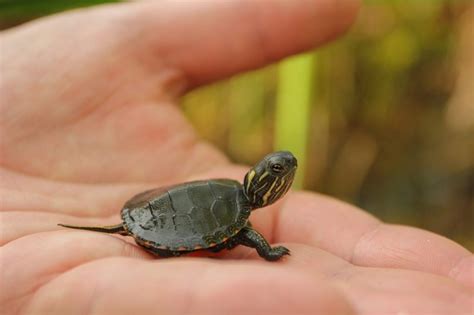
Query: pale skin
89	117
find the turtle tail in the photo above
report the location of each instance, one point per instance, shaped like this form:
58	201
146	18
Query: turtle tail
113	229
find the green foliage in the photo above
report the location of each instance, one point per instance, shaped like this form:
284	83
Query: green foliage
295	87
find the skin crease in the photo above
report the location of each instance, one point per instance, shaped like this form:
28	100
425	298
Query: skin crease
88	118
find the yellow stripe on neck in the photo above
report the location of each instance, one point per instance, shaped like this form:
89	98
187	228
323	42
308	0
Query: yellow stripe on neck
249	179
263	176
269	192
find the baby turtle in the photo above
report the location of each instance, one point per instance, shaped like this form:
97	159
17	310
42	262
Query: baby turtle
208	214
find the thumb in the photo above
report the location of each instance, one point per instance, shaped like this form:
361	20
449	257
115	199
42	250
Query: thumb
135	47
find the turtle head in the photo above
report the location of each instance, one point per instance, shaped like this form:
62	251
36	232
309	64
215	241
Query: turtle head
270	178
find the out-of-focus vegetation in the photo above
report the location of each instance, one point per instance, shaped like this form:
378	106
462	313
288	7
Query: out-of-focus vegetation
383	118
14	12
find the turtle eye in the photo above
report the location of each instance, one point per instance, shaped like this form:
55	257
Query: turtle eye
277	168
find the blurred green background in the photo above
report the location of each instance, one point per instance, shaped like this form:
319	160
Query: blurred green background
383	118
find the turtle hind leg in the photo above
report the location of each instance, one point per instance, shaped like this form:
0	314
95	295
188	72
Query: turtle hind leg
112	229
251	238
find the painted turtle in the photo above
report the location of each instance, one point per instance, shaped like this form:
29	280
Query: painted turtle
208	214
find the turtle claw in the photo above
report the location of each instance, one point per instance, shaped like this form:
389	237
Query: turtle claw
285	251
275	253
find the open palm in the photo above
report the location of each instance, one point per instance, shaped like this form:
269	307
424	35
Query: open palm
88	118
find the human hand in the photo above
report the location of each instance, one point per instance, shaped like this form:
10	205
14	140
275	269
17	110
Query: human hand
88	118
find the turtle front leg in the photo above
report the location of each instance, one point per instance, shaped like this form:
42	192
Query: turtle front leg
251	238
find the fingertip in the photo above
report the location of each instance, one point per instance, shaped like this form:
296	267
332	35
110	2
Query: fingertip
341	15
349	10
463	272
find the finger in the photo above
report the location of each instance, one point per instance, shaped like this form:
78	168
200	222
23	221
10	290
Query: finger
211	39
357	237
17	224
201	41
204	40
411	248
397	291
22	193
174	287
30	262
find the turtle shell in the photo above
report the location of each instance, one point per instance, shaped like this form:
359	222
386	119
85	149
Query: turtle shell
186	217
